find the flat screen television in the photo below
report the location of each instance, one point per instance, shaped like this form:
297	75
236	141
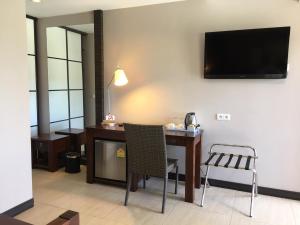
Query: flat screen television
247	54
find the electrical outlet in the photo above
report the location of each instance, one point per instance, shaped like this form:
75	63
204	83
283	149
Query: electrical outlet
223	116
220	116
227	117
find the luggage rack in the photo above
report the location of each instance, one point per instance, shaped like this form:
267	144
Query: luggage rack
234	161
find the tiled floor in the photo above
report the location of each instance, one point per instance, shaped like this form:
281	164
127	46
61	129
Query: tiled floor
97	204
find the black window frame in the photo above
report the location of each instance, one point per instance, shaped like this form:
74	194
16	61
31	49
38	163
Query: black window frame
35	55
68	90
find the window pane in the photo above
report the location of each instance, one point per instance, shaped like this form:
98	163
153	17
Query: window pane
77	123
75	75
33	109
56	42
30	36
59	126
58	104
57	74
74	46
34	131
31	72
76	103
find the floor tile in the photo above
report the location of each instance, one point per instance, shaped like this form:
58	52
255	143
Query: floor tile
97	204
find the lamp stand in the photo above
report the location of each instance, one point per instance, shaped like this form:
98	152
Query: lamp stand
109	118
120	80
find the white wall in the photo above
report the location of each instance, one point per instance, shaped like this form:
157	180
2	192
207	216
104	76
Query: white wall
15	154
161	49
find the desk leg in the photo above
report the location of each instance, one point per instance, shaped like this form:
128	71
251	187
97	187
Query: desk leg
90	158
52	158
77	145
134	182
190	172
197	165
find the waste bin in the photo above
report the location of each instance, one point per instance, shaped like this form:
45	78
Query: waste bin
72	162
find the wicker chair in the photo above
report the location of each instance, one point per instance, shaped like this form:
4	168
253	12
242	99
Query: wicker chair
147	156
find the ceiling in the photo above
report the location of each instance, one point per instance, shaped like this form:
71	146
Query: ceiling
48	8
86	28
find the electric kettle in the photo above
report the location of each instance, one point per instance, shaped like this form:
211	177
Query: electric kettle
190	119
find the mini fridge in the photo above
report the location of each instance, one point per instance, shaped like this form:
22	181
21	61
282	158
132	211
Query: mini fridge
110	160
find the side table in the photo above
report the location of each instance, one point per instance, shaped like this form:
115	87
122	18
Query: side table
48	151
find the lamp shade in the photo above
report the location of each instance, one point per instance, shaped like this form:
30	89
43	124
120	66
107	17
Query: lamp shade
120	78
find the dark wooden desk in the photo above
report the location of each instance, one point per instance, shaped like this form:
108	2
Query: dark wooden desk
191	142
52	145
77	138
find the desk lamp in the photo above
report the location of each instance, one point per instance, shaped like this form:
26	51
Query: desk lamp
119	79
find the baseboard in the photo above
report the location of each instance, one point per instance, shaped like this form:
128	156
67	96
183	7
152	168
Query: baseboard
246	188
172	176
20	208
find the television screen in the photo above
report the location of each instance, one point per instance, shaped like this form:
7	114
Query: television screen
247	54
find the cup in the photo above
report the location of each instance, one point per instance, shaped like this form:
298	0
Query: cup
191	128
170	126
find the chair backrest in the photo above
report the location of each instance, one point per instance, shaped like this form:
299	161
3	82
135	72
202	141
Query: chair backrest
146	150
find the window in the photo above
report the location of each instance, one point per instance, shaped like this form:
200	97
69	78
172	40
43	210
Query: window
31	57
65	79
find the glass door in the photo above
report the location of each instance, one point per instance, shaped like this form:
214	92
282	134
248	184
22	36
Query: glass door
65	79
31	58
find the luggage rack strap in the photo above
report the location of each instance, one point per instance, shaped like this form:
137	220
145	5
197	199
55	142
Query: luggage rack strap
232	157
235	155
229	160
219	159
210	158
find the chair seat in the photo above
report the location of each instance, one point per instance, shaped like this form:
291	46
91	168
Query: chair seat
172	163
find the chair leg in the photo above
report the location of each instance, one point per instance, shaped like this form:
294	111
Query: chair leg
144	181
252	193
129	180
164	194
176	182
204	188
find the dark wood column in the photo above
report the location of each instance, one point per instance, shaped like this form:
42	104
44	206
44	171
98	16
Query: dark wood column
99	65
